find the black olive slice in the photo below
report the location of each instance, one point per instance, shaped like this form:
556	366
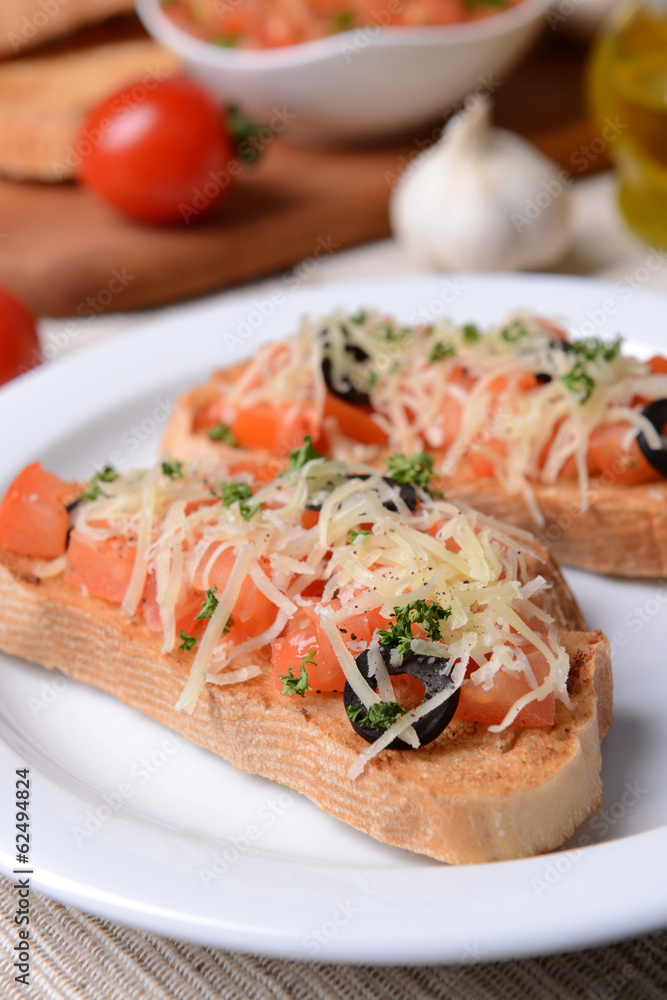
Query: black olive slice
656	412
345	389
543	377
430	670
406	491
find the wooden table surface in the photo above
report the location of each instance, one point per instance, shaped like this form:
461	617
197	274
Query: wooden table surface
66	253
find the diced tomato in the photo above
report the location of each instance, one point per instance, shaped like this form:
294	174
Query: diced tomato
186	610
490	707
263	470
462	376
658	364
209	414
33	518
354	421
452	407
273	23
314	589
278	428
253	612
103	567
361	627
569	468
196	504
519	382
479	460
450	543
309	518
618	455
274	427
450	415
304	633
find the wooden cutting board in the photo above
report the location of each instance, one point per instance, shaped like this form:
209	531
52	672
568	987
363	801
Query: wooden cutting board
66	253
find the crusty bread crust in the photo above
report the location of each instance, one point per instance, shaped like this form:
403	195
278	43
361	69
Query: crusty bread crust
26	24
470	796
44	101
623	533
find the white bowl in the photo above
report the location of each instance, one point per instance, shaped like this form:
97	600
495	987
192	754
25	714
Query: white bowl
367	83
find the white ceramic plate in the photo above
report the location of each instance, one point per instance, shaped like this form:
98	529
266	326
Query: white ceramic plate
131	823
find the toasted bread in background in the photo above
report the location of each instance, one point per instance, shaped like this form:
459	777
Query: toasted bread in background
27	24
623	532
470	796
44	100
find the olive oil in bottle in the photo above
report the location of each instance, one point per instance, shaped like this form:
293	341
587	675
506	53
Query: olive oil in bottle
628	91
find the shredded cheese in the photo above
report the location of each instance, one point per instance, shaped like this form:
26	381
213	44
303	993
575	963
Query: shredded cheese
514	399
135	587
214	631
397	558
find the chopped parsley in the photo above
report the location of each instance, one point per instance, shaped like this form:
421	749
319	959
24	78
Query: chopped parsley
440	351
300	456
107	474
221	432
372	381
93	491
298	685
355	712
470	333
342	20
594	349
395	334
231	492
478	4
359	317
209	604
238	492
417	470
513	331
352	535
579	382
227	41
429	616
173	469
187	641
381	715
244	130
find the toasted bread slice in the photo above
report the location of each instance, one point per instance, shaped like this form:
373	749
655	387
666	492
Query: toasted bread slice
44	101
470	796
26	24
623	532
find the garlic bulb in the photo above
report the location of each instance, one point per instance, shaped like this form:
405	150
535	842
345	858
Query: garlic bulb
482	199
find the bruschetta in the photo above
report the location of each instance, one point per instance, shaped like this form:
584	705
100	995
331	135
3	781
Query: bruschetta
417	669
560	436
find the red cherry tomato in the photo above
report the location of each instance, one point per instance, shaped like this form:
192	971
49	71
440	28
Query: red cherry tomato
19	344
160	155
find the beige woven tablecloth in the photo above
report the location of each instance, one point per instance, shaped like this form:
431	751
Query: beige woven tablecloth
76	956
79	957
